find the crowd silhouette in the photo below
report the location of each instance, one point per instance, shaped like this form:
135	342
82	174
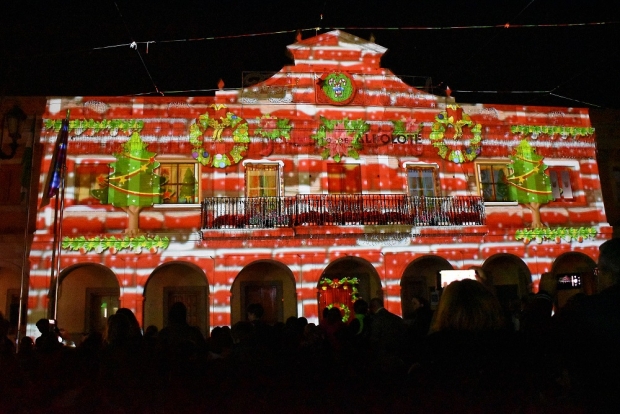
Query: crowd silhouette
467	356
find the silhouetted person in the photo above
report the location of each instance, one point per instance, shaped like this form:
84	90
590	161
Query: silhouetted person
180	344
135	332
386	337
588	337
470	360
360	324
6	345
220	342
263	333
10	370
48	341
120	368
421	318
179	333
358	337
334	329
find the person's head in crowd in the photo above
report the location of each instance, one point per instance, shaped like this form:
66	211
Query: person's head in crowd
43	325
92	341
360	307
118	330
136	331
291	322
418	302
26	345
467	305
302	322
177	314
609	263
376	304
255	312
221	339
151	331
242	332
5	326
334	315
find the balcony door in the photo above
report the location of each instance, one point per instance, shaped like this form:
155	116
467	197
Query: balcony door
262	179
344	178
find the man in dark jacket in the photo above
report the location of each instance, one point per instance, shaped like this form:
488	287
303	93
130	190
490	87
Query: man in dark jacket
386	336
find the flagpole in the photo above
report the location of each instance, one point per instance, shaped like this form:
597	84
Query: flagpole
59	234
55	185
22	288
51	311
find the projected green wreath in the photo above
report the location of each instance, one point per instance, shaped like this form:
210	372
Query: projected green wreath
206	126
338	87
460	120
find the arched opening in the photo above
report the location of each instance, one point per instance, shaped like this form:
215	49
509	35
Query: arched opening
509	276
269	283
368	281
575	264
177	282
420	278
87	295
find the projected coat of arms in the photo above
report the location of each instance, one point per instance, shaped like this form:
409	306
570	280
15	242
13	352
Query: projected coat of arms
337	88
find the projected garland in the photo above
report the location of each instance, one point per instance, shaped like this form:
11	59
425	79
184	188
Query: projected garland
113	126
408	127
272	128
113	244
340	138
454	117
340	293
216	130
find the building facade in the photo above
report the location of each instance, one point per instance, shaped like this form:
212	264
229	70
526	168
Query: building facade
19	169
330	180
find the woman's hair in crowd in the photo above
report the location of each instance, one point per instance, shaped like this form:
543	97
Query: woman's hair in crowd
467	305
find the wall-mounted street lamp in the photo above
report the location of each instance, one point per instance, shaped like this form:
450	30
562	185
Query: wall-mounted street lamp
13	120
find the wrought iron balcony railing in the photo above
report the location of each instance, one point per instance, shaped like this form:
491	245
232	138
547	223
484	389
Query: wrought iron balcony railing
340	209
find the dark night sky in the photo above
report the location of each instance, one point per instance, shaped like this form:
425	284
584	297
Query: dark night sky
59	47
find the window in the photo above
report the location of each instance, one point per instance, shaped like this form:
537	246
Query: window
344	178
88	177
179	182
492	181
262	179
422	181
560	183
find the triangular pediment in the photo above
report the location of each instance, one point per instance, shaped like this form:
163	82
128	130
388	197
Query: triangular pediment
349	59
327	48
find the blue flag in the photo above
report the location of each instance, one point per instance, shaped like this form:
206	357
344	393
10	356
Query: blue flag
57	166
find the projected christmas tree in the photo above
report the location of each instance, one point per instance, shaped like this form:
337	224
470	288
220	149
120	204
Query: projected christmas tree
133	185
188	188
528	183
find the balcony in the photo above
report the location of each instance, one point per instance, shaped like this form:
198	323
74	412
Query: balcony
340	209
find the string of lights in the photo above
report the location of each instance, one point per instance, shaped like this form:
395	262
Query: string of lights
137	45
133	45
